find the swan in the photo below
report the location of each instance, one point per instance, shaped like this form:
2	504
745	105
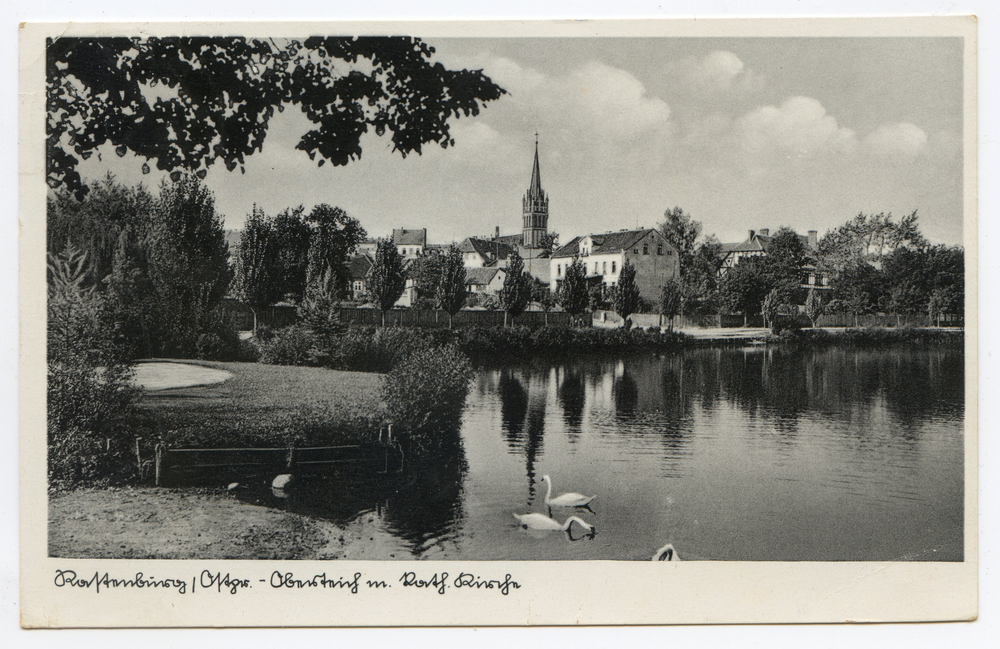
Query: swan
666	553
565	500
542	522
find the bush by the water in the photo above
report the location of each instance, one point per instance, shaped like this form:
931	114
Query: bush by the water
869	337
425	392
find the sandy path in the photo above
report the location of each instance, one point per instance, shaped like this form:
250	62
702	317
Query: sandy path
159	375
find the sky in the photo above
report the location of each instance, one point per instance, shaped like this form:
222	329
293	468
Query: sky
741	133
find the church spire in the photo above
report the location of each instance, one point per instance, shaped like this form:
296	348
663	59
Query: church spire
535	190
536	209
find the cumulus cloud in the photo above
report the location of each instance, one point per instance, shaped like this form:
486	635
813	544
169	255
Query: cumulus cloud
902	138
800	125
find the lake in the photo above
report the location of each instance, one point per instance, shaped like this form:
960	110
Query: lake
731	454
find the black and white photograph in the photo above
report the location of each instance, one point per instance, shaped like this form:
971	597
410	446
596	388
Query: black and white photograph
558	299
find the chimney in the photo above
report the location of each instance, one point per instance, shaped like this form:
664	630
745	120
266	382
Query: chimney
497	235
764	231
813	240
751	235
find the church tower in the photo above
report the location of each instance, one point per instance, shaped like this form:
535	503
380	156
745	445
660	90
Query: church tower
536	209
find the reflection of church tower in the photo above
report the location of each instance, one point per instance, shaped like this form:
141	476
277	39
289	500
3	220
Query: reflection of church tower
536	208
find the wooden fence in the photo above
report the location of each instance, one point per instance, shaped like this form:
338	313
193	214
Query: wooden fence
311	460
276	317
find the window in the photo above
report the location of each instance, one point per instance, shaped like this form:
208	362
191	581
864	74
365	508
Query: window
659	248
645	248
404	252
612	284
636	251
604	267
558	270
613	269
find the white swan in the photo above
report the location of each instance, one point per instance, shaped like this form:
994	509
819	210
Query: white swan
666	553
565	500
542	522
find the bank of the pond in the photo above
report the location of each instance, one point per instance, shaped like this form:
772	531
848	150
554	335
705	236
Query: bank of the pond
270	405
152	523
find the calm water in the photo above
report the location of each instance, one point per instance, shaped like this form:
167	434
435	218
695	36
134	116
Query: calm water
729	454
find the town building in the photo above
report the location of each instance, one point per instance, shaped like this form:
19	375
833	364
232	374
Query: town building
757	244
358	268
410	243
484	281
532	244
655	260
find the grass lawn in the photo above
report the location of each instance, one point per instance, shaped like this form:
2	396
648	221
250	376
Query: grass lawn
266	405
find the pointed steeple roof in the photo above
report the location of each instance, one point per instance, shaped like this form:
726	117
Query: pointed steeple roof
535	190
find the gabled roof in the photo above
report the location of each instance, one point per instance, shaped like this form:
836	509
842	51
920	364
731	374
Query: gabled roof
608	242
512	240
485	248
404	237
571	249
759	243
359	265
480	276
615	241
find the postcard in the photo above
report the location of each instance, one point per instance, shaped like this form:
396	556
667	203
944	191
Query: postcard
498	323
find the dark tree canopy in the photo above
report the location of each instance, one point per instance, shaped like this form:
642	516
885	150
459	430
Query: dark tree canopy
626	298
516	291
189	102
573	294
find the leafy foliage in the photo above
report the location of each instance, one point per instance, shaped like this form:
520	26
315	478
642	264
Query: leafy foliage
516	291
869	237
451	290
573	295
256	267
334	237
189	102
671	298
815	306
387	278
89	394
425	392
626	299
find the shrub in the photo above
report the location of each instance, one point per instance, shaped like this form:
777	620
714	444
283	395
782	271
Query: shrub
370	349
90	410
292	345
425	392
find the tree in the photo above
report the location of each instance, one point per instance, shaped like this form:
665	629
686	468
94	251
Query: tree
671	298
770	308
857	289
254	282
572	294
189	102
291	254
425	272
451	290
387	278
516	290
335	237
548	243
815	306
626	299
682	232
868	237
744	287
188	262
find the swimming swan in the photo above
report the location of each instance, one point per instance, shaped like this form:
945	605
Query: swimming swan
666	553
565	500
542	522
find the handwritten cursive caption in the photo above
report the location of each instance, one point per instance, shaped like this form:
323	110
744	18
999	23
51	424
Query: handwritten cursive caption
207	580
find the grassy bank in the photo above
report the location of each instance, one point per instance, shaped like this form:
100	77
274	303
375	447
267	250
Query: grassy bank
869	337
268	405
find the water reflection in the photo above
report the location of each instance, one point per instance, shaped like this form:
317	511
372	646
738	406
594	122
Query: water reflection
730	454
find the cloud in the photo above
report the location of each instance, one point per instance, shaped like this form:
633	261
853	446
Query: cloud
800	125
902	138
